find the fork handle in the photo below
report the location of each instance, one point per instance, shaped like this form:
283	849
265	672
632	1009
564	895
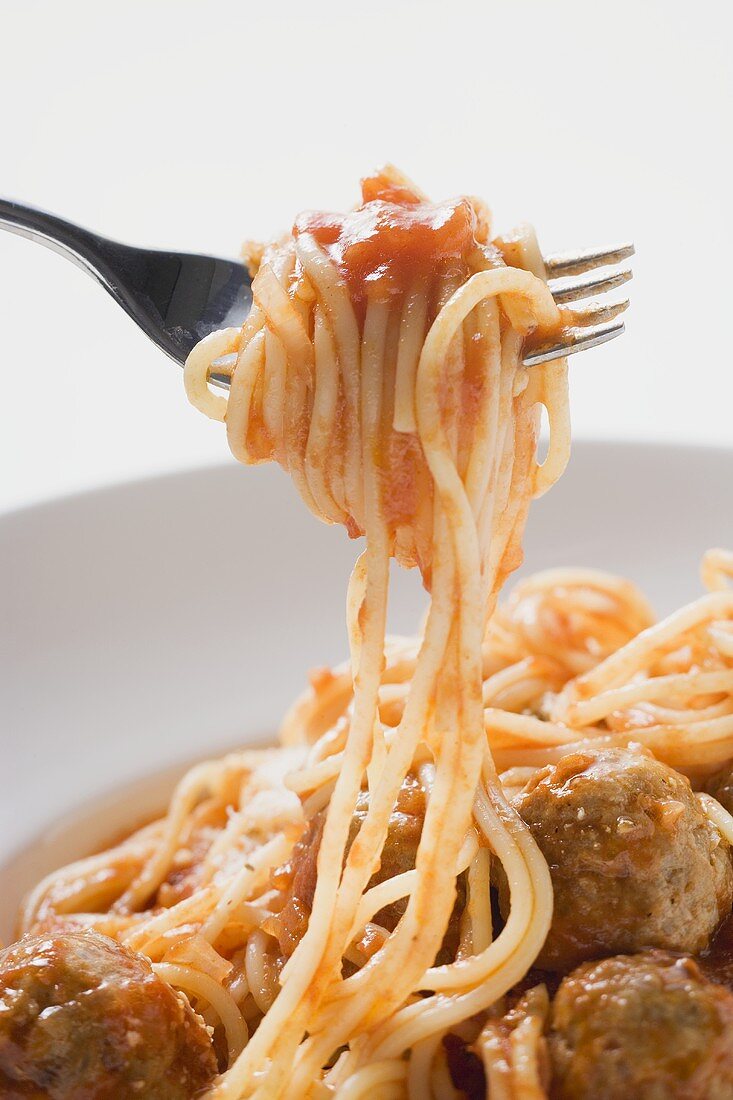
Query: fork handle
81	246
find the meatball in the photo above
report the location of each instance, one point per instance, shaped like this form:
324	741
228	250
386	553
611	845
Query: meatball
634	861
646	1026
298	877
85	1019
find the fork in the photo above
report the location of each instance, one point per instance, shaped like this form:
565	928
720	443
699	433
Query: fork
177	298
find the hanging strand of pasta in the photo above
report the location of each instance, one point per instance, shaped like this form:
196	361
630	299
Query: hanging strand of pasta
426	444
378	967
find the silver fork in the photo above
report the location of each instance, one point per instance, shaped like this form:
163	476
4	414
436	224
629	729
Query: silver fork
598	321
177	298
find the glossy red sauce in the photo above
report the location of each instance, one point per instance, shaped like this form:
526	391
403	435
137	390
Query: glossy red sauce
394	238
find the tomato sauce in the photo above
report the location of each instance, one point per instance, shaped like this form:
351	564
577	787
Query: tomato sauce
393	239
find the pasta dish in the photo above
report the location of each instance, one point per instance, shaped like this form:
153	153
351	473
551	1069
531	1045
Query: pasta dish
493	859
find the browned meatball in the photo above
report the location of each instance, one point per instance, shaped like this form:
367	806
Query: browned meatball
634	861
298	877
647	1026
82	1018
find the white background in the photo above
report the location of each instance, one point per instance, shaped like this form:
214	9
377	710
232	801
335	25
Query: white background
188	124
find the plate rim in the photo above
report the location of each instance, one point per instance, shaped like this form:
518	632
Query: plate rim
229	462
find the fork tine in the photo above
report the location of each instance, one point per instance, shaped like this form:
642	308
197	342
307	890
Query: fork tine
576	263
221	375
574	340
570	290
594	313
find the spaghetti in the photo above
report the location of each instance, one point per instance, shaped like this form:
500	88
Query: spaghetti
381	365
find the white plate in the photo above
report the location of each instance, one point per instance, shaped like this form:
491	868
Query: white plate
147	625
